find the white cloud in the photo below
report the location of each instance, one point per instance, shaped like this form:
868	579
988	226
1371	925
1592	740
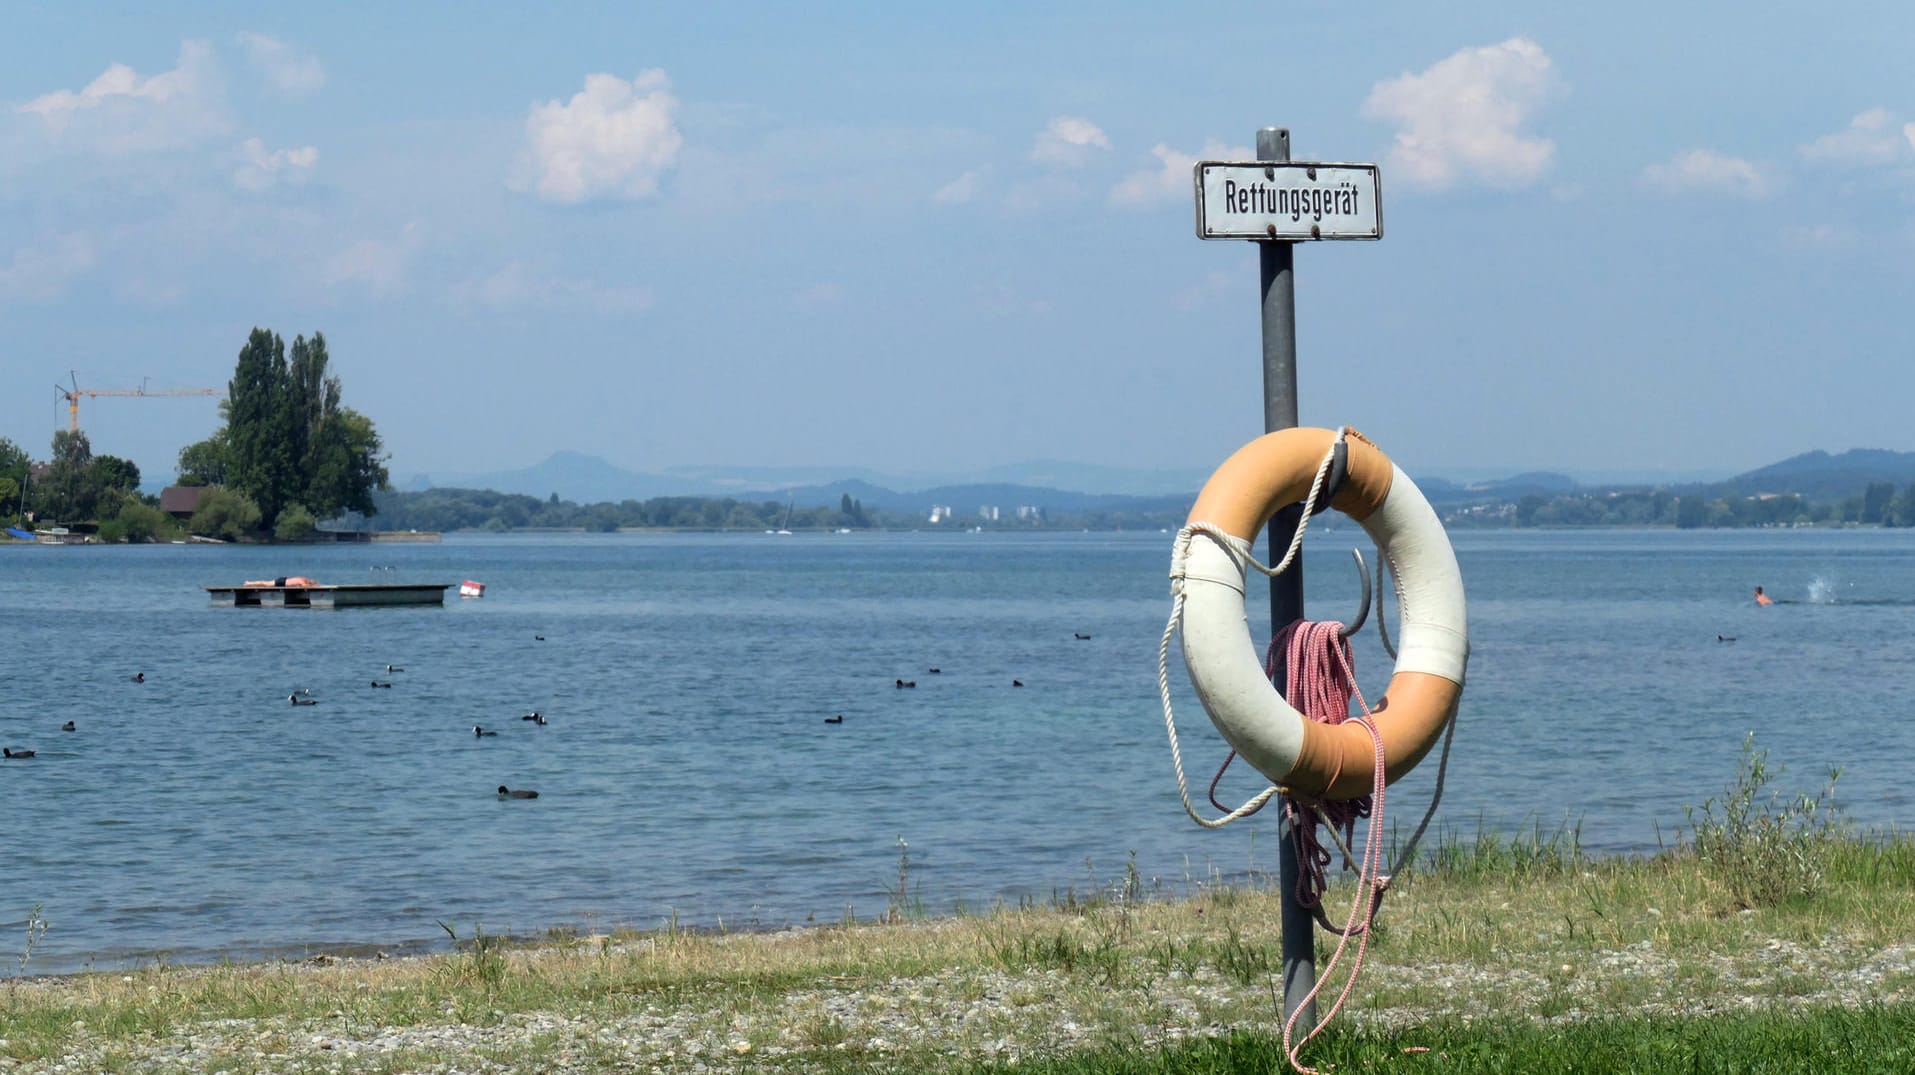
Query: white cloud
1461	118
121	113
1706	171
41	274
519	284
960	190
612	139
1870	138
1068	140
284	67
379	264
260	169
1172	178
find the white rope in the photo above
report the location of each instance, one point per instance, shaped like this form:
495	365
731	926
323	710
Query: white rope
1179	556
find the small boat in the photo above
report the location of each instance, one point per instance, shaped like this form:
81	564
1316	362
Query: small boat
468	588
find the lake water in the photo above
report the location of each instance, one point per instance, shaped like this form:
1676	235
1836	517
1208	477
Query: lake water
687	770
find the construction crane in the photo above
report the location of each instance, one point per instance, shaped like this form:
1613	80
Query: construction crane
73	395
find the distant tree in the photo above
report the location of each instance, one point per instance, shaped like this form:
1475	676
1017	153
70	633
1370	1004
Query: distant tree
225	513
13	461
68	494
851	512
204	462
1875	500
295	524
260	456
1901	510
346	464
1527	508
1691	512
111	473
140	522
288	439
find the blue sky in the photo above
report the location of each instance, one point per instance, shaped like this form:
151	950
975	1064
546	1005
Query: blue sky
936	238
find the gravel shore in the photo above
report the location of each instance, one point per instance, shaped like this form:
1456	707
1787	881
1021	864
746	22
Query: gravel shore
826	1021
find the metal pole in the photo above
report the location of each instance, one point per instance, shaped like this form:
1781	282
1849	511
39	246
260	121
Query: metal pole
1279	290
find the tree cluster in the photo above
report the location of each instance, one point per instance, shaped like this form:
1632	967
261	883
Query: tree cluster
1878	505
484	509
288	444
73	485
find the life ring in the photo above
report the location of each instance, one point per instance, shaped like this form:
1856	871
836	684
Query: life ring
1322	761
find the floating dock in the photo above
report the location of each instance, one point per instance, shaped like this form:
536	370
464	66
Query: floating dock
314	595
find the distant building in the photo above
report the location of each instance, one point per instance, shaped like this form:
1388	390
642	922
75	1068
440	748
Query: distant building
1030	514
987	513
181	501
941	512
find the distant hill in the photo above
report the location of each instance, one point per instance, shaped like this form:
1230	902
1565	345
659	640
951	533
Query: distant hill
1060	487
1441	492
587	479
1819	477
1816	477
574	476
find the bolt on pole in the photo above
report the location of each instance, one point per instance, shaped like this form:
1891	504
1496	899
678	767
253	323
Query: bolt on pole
1278	288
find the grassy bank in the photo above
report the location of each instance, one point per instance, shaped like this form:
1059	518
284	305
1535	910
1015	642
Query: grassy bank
1499	950
1768	941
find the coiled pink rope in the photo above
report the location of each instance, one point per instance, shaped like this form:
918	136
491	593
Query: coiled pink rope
1321	681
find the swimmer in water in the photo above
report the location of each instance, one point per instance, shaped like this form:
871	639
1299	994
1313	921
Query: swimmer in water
1762	598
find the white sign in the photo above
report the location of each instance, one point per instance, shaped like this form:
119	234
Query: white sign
1287	200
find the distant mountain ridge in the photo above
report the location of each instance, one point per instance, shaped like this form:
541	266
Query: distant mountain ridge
586	479
1819	476
1066	487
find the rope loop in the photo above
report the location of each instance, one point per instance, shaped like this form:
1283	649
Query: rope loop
1179	557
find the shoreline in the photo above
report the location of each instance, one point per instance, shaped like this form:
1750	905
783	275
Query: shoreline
1541	933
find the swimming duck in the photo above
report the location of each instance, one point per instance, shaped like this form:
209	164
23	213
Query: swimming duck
936	670
297	700
839	719
538	638
534	716
481	732
394	668
12	753
139	677
376	683
1017	683
1080	637
520	793
67	727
